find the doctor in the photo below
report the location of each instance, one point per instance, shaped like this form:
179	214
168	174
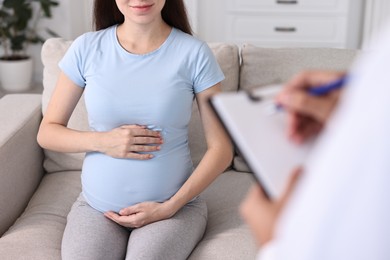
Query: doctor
339	208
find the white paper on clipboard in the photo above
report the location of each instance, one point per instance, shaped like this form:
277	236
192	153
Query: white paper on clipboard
258	130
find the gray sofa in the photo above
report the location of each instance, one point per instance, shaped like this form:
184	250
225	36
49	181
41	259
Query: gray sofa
37	187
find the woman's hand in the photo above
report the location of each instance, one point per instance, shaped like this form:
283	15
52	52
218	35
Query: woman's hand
128	141
142	214
261	214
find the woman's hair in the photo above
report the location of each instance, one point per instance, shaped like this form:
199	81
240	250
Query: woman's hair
106	14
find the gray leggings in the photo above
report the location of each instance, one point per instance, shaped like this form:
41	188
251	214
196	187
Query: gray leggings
90	235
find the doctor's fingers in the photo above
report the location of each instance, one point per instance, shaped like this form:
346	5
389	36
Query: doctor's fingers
319	108
255	198
290	187
301	128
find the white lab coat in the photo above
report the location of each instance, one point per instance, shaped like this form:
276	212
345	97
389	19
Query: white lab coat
341	207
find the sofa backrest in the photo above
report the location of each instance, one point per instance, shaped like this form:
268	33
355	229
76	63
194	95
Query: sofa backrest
52	52
264	66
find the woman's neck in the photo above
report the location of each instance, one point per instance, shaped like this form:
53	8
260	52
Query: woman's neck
141	39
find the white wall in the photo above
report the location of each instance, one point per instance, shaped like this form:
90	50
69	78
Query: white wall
207	15
88	8
74	17
70	19
211	13
376	16
192	11
253	21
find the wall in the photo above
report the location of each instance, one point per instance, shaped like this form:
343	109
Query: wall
192	11
376	16
73	17
313	23
208	13
70	19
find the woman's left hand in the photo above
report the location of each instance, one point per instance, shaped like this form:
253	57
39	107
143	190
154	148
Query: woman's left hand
141	214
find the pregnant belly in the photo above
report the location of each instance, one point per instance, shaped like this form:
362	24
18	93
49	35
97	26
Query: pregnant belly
113	184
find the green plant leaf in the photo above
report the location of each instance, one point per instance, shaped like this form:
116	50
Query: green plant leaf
18	24
46	6
17	42
22	17
13	3
52	33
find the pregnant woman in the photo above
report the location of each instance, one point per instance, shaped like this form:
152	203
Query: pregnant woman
140	72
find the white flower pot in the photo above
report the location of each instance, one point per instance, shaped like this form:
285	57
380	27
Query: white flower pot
15	76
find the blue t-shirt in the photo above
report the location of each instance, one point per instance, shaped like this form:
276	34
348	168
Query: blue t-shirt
155	89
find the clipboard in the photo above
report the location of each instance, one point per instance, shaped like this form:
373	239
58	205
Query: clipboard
257	129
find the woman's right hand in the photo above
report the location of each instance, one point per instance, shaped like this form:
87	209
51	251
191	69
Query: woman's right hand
130	142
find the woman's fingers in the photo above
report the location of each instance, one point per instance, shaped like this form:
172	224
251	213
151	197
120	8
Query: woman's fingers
146	140
136	130
132	142
138	156
144	148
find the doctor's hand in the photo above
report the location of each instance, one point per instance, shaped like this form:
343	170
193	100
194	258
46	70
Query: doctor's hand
307	114
262	214
141	214
128	141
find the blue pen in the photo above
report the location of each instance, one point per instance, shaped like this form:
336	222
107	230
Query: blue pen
323	89
326	88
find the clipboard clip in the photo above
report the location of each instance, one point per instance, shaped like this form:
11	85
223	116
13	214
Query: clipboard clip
268	105
253	97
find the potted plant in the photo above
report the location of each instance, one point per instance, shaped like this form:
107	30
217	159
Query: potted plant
19	28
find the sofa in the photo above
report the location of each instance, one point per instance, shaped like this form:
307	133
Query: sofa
38	187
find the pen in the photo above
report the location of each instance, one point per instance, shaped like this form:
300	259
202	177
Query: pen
326	88
323	89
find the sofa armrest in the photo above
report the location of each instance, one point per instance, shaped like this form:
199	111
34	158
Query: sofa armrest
20	155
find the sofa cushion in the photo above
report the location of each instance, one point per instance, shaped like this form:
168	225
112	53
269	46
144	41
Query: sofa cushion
227	236
52	52
37	234
264	66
